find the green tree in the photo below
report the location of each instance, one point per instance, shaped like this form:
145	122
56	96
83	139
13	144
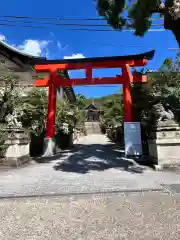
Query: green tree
112	113
10	99
35	107
163	85
65	117
82	101
137	14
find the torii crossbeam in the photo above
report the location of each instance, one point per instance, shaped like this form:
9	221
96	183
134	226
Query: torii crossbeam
88	64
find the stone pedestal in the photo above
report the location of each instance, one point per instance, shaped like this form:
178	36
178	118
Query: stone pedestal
17	148
164	144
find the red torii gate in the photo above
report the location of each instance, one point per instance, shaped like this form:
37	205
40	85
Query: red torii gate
88	64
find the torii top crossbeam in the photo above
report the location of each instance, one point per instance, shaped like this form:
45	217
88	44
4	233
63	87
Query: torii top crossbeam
88	64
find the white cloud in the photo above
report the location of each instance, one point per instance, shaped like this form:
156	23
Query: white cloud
60	47
2	37
52	34
77	55
35	47
40	47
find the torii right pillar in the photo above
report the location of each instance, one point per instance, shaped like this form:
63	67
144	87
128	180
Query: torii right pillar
132	130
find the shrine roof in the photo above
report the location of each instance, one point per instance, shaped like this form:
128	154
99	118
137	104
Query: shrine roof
92	106
20	59
7	50
147	55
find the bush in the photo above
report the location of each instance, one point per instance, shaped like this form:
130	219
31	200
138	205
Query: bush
36	144
30	113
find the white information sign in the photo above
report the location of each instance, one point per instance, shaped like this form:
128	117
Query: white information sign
132	138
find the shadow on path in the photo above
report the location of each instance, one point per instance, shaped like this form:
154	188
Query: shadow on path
98	157
46	159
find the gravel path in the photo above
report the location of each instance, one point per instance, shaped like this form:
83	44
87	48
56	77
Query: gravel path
132	216
72	209
95	165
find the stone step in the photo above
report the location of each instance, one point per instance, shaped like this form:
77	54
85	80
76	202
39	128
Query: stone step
92	127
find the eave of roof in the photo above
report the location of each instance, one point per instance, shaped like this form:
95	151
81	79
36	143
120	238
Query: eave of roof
24	57
147	55
31	60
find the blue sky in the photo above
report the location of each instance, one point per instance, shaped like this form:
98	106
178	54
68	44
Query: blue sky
57	43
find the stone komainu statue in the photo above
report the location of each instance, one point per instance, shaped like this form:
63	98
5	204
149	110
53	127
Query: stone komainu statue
159	114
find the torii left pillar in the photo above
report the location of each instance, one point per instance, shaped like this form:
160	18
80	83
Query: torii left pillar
49	141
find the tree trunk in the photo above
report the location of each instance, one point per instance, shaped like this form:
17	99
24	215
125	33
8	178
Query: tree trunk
177	34
171	24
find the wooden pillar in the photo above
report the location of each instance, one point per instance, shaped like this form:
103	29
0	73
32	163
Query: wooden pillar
127	99
50	127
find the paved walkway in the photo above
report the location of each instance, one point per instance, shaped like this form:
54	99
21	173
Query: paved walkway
95	165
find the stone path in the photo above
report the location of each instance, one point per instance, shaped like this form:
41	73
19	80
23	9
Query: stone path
95	165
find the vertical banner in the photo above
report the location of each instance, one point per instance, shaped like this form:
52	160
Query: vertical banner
132	138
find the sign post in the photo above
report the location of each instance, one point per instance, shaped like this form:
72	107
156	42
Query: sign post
132	139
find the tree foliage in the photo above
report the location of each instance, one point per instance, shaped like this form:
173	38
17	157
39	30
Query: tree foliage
81	100
9	97
67	116
163	86
34	107
137	14
27	109
112	114
9	100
